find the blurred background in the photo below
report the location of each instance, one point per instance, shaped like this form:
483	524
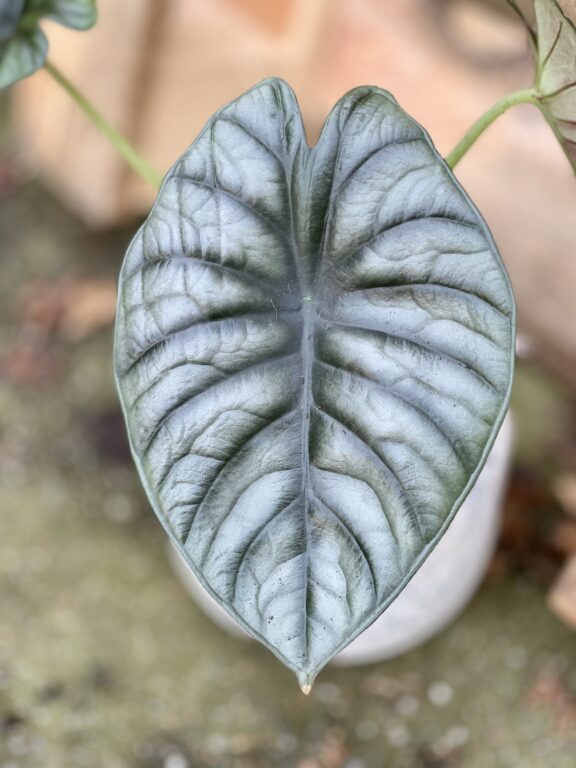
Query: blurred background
104	658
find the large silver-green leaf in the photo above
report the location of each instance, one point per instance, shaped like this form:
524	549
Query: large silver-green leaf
23	45
314	353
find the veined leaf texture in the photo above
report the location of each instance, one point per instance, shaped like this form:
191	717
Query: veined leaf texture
314	353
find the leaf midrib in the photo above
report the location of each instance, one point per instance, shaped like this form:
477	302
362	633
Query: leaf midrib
308	309
308	275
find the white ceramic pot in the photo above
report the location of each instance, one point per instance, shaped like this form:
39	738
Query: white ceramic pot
440	589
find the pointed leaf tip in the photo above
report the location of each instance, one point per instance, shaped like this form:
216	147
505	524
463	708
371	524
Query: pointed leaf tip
305	681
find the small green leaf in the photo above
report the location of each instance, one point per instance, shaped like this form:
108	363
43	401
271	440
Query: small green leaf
554	35
314	353
10	13
77	14
557	72
21	56
23	45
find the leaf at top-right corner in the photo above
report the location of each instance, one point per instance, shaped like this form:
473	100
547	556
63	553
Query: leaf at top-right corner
554	36
76	14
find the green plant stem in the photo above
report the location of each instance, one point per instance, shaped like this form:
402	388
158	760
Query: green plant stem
122	145
528	96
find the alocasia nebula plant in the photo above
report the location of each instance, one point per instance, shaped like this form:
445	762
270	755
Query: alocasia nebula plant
314	346
23	45
314	353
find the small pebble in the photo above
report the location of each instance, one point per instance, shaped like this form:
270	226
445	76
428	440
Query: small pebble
456	737
327	693
398	735
217	743
175	760
355	762
440	694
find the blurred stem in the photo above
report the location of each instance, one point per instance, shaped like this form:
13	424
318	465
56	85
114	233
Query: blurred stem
122	145
518	97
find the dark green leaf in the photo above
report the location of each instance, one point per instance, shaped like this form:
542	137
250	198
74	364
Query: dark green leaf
21	56
78	14
10	12
314	354
23	46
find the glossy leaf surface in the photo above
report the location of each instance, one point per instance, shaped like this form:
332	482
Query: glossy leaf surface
314	354
23	45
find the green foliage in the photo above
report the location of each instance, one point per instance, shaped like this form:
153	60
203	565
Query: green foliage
314	354
23	45
10	13
553	33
